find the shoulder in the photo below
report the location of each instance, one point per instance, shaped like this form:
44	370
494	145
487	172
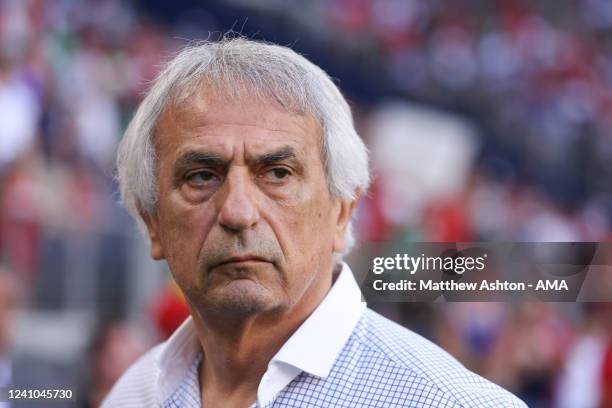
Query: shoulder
137	387
419	357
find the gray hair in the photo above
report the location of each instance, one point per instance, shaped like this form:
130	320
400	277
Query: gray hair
235	66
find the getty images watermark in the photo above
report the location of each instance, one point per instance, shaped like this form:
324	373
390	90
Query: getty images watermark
487	272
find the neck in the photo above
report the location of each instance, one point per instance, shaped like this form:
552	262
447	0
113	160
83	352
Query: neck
237	349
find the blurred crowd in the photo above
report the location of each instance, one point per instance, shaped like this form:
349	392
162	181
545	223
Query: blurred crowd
509	138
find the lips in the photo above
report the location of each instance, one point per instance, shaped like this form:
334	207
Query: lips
241	259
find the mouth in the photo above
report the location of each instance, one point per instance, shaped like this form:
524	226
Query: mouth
235	260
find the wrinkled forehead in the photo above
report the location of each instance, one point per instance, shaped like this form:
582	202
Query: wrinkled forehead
209	104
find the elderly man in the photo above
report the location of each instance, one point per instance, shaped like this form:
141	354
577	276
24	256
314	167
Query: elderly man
243	166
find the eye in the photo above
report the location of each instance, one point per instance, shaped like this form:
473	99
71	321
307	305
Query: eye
277	174
280	172
201	178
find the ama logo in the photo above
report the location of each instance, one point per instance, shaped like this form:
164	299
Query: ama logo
556	284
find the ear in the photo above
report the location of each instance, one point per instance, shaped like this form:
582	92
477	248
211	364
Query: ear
152	223
342	221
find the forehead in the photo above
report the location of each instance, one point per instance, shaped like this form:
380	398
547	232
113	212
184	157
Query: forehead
214	121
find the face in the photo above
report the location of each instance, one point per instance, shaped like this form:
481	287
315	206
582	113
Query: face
244	217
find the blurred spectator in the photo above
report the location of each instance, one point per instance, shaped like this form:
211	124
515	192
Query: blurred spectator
7	304
20	112
114	348
18	369
20	218
583	382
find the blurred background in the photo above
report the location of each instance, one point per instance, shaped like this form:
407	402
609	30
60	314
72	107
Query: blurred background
487	120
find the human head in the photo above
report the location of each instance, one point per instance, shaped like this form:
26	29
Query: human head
237	66
256	157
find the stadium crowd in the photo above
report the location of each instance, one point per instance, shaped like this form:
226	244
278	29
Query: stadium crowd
532	79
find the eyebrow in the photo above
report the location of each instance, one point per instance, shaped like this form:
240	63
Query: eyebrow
202	158
277	156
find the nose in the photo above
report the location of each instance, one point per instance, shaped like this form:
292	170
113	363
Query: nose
238	210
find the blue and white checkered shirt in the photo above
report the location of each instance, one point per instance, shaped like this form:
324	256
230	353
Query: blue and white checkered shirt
343	355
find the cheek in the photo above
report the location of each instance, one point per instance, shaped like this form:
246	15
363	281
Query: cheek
185	229
304	224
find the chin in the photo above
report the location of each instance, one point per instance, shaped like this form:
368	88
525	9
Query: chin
241	297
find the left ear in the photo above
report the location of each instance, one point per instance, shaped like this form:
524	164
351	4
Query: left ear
345	212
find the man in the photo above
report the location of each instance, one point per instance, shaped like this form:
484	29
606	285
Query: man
244	167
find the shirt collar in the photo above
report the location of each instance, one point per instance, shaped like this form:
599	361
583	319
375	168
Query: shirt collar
316	344
313	348
175	358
